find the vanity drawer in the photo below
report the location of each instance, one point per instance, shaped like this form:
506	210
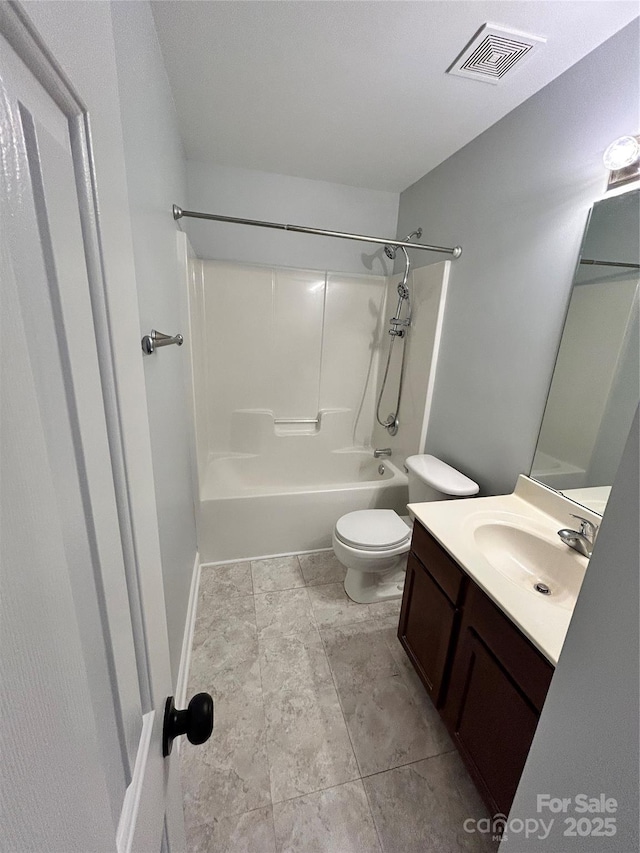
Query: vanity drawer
447	574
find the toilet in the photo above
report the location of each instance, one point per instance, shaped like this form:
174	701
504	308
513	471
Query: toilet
372	544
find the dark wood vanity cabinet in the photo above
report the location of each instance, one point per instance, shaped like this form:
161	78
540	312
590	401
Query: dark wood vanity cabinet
498	685
487	680
430	616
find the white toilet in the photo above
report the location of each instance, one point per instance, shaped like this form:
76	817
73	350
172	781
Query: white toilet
372	544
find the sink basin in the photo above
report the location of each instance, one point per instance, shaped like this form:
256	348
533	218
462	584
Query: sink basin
529	558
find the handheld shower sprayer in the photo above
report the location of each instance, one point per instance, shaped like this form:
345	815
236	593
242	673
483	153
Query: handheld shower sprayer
397	323
398	329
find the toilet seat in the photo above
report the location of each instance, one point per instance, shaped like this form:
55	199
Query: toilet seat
372	530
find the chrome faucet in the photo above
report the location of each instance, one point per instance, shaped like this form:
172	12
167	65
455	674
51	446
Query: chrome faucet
384	451
581	540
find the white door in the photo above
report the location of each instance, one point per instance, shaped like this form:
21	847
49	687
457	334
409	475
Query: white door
84	666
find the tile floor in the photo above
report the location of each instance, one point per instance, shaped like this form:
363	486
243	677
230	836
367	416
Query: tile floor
324	739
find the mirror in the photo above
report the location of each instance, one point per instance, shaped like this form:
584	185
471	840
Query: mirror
596	381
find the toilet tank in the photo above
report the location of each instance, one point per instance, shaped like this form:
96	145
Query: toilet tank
431	479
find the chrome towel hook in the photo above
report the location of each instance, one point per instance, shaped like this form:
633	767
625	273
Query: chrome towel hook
157	339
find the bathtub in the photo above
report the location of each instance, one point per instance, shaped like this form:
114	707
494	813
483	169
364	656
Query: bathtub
556	473
258	505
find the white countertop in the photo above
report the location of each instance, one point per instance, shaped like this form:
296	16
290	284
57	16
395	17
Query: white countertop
544	622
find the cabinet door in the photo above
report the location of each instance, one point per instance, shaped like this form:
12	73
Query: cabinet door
427	622
491	720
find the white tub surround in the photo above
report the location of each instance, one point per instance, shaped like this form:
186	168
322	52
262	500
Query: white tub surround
539	513
292	342
261	431
286	368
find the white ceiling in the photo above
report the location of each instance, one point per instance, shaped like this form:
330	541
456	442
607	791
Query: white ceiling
355	92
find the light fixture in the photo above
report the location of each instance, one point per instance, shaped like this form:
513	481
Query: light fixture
622	158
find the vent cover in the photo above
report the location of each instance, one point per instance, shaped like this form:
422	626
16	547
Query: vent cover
494	52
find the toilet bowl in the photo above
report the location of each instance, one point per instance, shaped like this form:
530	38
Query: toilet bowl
373	544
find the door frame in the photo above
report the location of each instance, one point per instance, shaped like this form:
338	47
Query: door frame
115	315
138	519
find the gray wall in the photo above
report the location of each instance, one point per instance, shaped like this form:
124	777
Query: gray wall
587	738
516	199
251	194
156	178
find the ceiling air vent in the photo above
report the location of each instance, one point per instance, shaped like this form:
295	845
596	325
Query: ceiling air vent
494	52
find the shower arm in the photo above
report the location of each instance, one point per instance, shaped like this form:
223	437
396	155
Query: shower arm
179	213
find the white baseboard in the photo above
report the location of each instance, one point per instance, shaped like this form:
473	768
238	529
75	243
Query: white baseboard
187	640
265	557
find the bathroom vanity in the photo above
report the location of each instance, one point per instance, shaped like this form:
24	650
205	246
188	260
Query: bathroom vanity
484	643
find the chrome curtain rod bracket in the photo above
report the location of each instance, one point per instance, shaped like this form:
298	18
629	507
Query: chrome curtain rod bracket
178	213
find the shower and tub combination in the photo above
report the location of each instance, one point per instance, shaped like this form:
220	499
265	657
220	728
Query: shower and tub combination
287	403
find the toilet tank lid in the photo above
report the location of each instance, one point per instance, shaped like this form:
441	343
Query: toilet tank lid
440	476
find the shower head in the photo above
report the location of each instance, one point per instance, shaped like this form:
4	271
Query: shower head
391	251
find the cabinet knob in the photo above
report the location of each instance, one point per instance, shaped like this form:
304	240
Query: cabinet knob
196	722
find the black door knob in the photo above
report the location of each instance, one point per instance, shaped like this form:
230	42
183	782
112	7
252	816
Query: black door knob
196	722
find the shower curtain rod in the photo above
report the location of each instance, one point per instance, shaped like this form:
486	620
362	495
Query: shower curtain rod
178	213
610	264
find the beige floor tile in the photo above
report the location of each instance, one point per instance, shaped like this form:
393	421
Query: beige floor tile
272	661
290	664
332	607
233	619
218	664
307	741
276	574
321	567
214	673
251	832
225	581
359	653
280	614
421	808
386	609
386	727
228	775
337	820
